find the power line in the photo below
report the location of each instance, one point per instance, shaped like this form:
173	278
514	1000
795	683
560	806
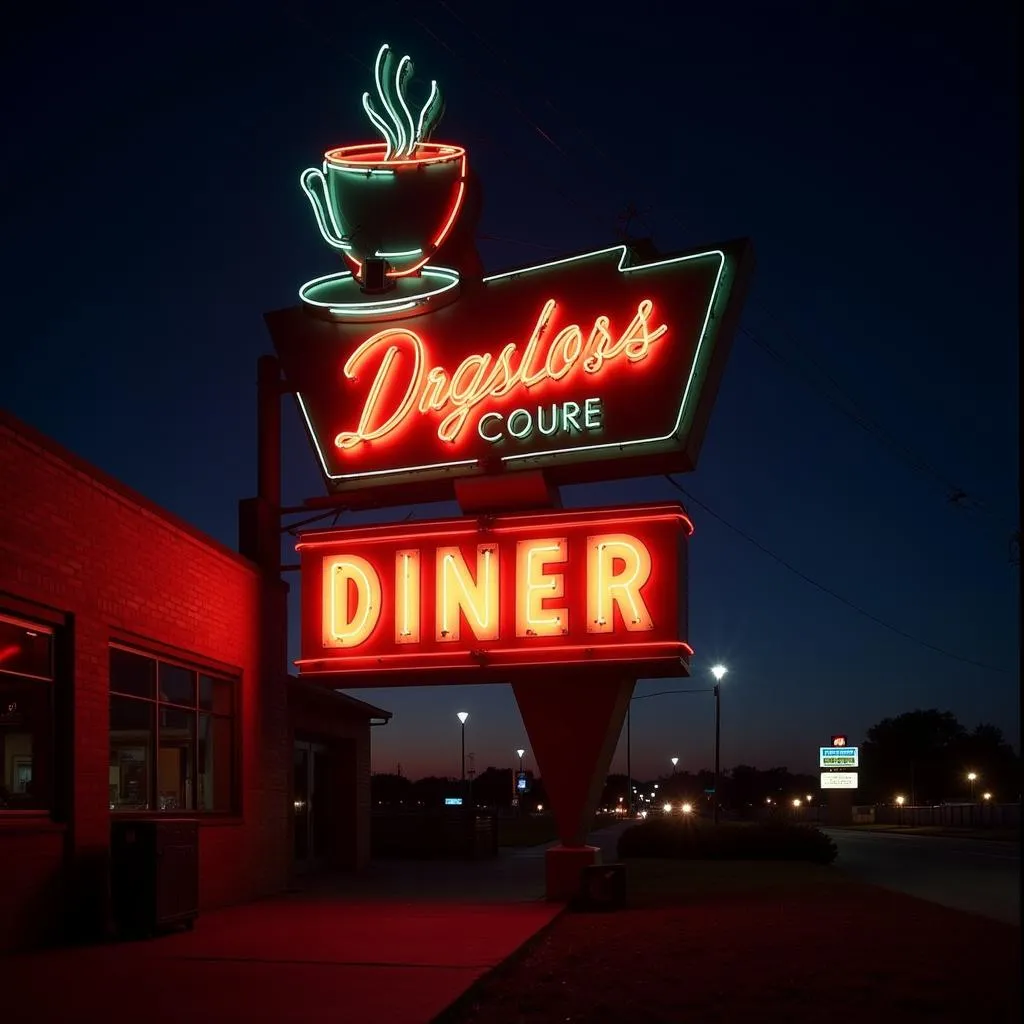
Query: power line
566	197
828	590
851	410
955	494
663	693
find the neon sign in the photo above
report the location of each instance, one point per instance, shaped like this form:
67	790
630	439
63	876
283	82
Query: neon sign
585	368
370	199
480	601
412	369
480	377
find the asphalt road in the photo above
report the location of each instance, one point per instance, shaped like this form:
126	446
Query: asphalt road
976	875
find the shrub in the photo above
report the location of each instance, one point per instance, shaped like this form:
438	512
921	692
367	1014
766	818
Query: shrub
687	840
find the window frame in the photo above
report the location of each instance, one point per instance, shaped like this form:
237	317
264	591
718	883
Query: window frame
197	668
26	619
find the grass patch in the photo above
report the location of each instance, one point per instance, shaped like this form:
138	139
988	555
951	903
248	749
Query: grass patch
529	830
1000	835
731	941
536	829
653	882
690	839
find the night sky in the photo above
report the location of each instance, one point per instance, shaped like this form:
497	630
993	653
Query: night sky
152	213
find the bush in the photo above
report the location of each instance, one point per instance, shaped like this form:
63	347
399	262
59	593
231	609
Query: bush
687	840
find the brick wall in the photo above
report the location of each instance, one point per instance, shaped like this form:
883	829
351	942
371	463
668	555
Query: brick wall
78	543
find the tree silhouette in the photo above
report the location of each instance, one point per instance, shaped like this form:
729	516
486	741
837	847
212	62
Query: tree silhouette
925	755
493	787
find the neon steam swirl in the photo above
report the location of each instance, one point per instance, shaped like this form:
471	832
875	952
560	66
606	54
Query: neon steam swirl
402	134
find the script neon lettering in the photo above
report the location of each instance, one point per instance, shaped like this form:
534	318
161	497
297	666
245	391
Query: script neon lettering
394	352
392	340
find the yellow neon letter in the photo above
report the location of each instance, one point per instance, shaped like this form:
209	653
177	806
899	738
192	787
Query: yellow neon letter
618	567
458	593
533	585
352	602
407	597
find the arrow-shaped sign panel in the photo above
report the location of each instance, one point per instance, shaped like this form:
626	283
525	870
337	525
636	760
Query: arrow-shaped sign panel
592	367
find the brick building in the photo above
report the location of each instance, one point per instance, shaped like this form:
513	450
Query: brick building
143	671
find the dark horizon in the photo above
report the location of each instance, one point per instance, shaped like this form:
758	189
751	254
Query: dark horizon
864	435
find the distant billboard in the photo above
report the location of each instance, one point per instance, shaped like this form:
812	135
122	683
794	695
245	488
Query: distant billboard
453	801
838	780
838	757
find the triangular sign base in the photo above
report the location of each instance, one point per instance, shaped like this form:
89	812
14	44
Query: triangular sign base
573	726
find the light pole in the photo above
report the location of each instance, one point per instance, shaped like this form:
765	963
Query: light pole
971	778
520	753
900	800
675	761
717	671
462	716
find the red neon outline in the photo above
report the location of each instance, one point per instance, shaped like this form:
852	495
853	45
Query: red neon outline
492	657
364	159
430	528
437	390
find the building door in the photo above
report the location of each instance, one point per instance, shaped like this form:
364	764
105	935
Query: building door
312	805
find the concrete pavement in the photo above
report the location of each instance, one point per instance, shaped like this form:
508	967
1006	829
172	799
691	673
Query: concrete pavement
395	944
979	876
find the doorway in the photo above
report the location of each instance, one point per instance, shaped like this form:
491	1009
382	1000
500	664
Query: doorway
312	805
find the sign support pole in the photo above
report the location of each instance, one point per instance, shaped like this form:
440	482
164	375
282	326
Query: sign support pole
574	726
259	518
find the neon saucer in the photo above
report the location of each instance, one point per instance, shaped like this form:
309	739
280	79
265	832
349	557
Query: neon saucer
339	296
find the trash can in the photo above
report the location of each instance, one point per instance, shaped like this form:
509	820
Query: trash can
154	875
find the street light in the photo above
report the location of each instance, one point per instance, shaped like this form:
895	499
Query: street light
971	777
986	796
687	808
717	671
796	801
462	716
675	761
900	800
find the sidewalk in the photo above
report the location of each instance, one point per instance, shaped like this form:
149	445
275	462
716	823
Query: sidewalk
395	944
995	835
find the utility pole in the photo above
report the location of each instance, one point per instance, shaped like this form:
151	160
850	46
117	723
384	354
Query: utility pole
718	734
629	764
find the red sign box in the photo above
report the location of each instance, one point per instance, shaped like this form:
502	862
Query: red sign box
464	600
586	368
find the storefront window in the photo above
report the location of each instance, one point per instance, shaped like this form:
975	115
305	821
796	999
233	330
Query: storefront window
26	715
172	734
